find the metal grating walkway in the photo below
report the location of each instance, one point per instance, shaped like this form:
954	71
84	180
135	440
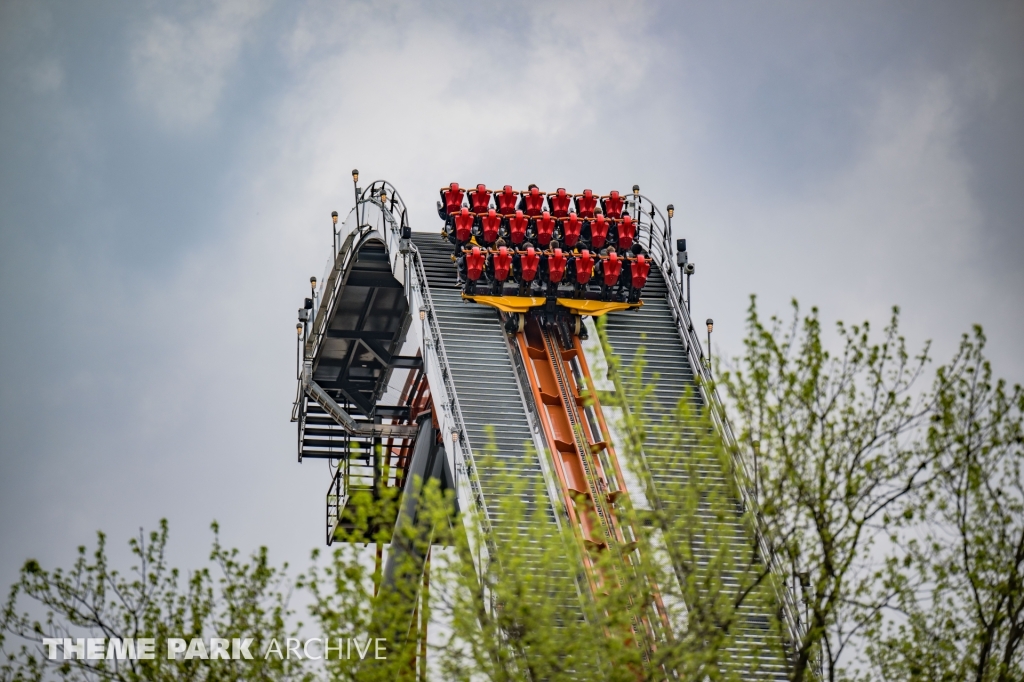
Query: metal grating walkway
668	370
485	381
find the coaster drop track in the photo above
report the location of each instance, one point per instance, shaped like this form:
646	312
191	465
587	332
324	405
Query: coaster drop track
399	376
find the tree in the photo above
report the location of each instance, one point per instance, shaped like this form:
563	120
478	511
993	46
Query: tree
231	598
862	524
959	580
833	440
894	509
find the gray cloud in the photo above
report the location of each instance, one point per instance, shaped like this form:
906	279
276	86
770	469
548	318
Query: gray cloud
168	175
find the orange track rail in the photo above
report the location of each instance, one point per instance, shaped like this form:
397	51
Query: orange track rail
588	471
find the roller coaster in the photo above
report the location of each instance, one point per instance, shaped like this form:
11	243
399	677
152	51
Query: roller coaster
416	350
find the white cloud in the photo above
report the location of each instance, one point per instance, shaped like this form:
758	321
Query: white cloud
423	96
181	65
900	224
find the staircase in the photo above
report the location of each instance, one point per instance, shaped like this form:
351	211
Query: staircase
492	403
668	370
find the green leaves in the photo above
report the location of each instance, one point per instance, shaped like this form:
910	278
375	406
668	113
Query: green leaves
247	598
884	513
962	599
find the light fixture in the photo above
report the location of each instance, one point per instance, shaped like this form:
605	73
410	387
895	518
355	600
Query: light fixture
298	329
355	175
636	190
711	325
312	282
383	197
455	436
423	315
671	210
334	217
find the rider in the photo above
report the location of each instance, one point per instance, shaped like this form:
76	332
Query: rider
570	229
451	201
505	200
598	230
529	264
532	202
583	270
475	261
556	262
611	270
559	203
626	233
545	229
490	224
586	203
639	271
500	266
479	199
517	225
464	223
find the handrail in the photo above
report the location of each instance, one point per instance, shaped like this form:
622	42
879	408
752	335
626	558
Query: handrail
655	227
395	213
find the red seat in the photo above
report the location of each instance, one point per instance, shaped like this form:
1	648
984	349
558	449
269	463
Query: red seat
612	205
533	202
584	267
586	203
491	223
480	199
474	264
530	261
571	230
502	264
464	225
627	232
559	203
545	228
505	200
452	198
556	266
612	267
598	231
517	227
640	269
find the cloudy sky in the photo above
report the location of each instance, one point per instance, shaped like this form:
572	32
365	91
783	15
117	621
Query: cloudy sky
167	172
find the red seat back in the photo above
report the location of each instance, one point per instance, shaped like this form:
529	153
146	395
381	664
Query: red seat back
452	198
505	200
530	262
612	269
586	203
640	269
480	199
584	267
491	223
545	228
559	203
571	230
613	205
598	231
502	263
517	226
627	232
464	225
556	266
534	202
474	264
